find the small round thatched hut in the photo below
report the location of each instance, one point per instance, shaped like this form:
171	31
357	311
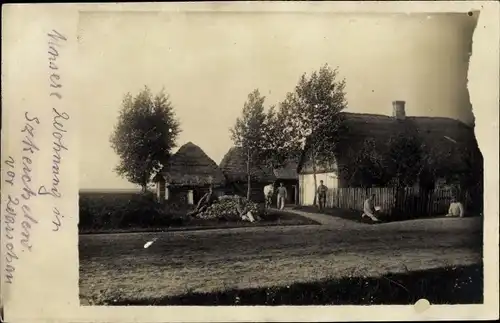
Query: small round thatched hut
234	167
188	176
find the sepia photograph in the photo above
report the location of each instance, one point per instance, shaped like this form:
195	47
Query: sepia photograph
277	158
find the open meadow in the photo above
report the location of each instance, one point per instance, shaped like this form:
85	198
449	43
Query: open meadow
129	211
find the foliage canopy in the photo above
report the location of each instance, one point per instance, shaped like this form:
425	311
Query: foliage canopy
144	135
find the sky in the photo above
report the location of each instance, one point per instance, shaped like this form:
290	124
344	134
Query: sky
209	62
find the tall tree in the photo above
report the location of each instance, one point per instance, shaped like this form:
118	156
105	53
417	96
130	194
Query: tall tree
248	133
406	159
313	115
366	166
279	146
144	135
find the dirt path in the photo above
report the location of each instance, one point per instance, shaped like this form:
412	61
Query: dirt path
326	219
334	223
180	262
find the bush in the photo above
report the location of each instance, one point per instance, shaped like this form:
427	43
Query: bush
121	211
226	208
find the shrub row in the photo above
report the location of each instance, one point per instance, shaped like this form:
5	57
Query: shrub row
122	211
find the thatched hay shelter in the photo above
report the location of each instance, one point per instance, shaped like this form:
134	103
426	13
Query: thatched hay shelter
234	167
188	175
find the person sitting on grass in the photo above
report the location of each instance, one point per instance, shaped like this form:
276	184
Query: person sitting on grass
369	208
245	215
456	209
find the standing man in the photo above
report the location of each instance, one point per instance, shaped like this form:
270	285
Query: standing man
322	189
282	195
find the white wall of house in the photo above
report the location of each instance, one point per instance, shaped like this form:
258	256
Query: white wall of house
190	197
307	189
159	193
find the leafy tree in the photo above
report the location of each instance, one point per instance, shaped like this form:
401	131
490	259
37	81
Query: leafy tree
406	159
462	168
249	133
279	146
366	166
313	116
144	135
473	180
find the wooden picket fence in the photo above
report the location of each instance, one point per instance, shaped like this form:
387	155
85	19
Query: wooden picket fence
410	201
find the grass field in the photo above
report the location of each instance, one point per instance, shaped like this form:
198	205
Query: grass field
116	266
272	219
129	211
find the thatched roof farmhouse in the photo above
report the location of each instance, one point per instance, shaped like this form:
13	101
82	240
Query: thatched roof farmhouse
287	172
449	142
190	166
188	175
234	167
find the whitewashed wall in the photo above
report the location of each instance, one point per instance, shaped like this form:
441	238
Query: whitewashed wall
306	185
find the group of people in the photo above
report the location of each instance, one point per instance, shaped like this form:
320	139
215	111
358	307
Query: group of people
456	208
281	196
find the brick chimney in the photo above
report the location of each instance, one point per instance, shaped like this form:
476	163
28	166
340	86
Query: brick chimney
398	110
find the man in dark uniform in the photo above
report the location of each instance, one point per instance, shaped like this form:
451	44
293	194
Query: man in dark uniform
322	189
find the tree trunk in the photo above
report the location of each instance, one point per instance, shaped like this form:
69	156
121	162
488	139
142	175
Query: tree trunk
144	188
400	197
249	178
315	201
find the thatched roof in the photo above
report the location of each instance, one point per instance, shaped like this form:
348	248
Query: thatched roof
190	166
234	166
289	171
448	140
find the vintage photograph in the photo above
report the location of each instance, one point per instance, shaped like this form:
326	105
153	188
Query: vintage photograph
278	158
